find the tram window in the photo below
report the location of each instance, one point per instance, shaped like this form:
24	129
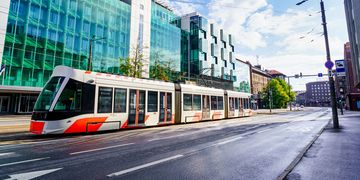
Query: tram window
220	103
48	93
187	102
105	100
236	103
70	98
214	103
88	98
152	101
169	100
120	100
197	103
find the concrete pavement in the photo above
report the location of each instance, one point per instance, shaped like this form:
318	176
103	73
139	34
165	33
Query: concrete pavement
335	154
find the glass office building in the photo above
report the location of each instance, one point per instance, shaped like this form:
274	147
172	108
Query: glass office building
38	35
165	36
42	34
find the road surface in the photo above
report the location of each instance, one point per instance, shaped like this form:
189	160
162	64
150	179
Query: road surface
260	147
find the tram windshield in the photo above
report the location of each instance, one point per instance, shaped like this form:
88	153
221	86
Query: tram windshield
48	94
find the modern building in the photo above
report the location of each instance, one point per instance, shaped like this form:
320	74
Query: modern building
276	74
43	34
37	35
301	98
350	91
259	80
211	50
352	11
318	94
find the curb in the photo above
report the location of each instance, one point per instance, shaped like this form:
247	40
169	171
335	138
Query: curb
298	158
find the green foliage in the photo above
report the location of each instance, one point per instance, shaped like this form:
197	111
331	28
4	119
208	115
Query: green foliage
133	66
278	92
161	69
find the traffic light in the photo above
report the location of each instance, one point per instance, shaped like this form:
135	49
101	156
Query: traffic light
301	74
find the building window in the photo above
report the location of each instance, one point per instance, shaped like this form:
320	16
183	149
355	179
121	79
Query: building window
71	23
105	100
34	12
54	17
120	100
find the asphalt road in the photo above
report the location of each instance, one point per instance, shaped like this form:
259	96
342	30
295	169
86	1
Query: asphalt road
260	147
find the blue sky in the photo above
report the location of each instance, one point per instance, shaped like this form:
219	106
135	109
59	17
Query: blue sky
284	36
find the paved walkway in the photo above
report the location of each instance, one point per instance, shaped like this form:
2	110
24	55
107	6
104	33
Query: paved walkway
335	154
14	123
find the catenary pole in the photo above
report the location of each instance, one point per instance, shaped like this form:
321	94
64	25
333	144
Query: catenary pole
331	79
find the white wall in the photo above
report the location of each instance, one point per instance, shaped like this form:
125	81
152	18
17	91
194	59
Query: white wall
4	10
134	30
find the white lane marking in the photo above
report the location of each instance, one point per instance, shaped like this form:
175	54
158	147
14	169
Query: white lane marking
229	141
20	162
263	131
6	154
31	175
144	165
98	149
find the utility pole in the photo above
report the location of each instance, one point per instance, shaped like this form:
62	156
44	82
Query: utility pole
331	79
289	94
328	58
89	66
91	41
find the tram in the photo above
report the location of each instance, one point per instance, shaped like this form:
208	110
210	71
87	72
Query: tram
78	101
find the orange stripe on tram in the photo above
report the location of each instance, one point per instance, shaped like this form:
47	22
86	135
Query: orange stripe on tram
80	125
37	127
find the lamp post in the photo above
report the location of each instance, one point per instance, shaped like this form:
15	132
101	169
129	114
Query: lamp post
328	58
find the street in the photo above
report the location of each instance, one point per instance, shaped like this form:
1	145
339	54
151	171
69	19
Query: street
259	147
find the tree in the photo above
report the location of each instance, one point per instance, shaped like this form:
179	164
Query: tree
133	66
277	91
161	69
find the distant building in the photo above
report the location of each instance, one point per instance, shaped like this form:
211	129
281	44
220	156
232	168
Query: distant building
318	94
259	80
352	11
276	74
301	98
351	92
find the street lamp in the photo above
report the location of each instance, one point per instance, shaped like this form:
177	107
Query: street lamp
331	79
92	39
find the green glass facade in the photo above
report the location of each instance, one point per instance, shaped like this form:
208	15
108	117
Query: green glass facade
42	34
165	36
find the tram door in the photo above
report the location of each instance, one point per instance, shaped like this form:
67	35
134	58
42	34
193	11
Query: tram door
231	107
137	107
165	107
241	108
206	107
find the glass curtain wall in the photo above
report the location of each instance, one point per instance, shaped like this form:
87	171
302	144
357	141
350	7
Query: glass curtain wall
42	34
165	38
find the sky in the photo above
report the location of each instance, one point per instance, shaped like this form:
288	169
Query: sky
277	34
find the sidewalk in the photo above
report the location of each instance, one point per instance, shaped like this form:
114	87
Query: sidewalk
335	154
14	123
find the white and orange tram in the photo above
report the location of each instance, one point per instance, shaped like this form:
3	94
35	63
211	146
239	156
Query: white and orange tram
77	101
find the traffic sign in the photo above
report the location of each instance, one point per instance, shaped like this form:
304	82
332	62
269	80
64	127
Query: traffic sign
320	75
329	64
340	67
